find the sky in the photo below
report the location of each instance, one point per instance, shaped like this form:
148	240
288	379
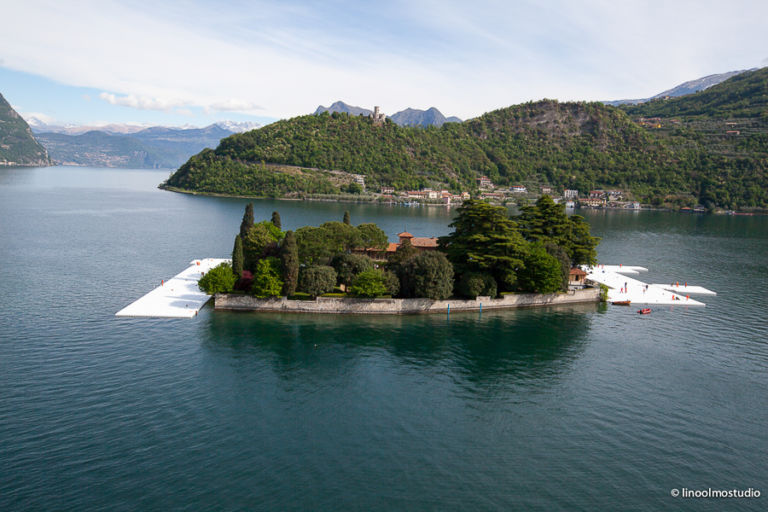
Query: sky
196	62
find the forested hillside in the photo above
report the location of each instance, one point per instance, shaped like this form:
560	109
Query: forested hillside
571	145
17	144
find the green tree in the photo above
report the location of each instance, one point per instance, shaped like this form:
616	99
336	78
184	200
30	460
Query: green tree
219	279
347	219
314	246
289	255
347	266
403	253
583	244
484	239
392	282
266	278
473	284
354	188
546	222
276	220
317	280
261	241
565	262
341	237
542	273
429	274
247	222
369	283
237	256
372	236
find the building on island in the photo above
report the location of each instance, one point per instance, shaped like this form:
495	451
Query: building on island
577	278
387	190
419	243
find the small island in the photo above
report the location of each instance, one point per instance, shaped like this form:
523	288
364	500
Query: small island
490	260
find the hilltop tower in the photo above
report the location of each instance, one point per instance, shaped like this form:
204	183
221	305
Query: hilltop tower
377	116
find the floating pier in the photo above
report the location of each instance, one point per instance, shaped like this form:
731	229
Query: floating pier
624	288
178	297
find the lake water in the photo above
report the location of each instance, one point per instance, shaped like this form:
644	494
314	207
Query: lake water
573	408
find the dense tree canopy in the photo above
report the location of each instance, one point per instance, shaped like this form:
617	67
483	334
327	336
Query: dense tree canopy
546	222
484	239
260	241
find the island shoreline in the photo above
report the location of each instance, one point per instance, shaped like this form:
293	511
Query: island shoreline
410	306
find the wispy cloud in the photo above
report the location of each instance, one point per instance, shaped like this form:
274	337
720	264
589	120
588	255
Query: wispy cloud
281	59
141	102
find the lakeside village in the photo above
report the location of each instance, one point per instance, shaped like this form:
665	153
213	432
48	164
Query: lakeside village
488	254
487	191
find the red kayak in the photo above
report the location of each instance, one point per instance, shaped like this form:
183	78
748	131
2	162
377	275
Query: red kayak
644	311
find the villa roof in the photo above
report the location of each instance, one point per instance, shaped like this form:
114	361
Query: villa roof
577	272
405	234
424	242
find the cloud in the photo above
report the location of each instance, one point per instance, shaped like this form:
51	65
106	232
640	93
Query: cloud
141	102
280	59
232	105
168	104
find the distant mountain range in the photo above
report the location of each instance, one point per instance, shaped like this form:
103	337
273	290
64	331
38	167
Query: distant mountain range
407	117
18	146
132	146
688	87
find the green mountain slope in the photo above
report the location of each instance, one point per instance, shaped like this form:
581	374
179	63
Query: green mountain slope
723	131
566	145
17	144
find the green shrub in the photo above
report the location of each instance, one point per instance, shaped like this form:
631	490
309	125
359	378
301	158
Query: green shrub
473	284
369	283
266	278
219	279
317	280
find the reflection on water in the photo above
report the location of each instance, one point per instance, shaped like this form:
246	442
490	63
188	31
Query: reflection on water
513	345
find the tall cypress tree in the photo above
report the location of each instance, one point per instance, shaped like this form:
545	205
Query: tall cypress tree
237	256
247	220
289	254
276	220
347	220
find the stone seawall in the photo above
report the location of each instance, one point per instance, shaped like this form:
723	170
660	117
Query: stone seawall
339	305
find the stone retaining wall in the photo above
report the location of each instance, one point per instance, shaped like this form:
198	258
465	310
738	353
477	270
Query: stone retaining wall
343	305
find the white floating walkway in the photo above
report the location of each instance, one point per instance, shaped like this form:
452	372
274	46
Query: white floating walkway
178	297
621	287
685	289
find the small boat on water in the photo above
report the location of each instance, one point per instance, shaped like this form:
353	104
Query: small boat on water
644	311
621	302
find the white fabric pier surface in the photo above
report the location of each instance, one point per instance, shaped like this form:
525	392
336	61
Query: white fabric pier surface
621	287
178	297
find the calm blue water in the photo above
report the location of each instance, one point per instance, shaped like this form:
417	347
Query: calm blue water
581	408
